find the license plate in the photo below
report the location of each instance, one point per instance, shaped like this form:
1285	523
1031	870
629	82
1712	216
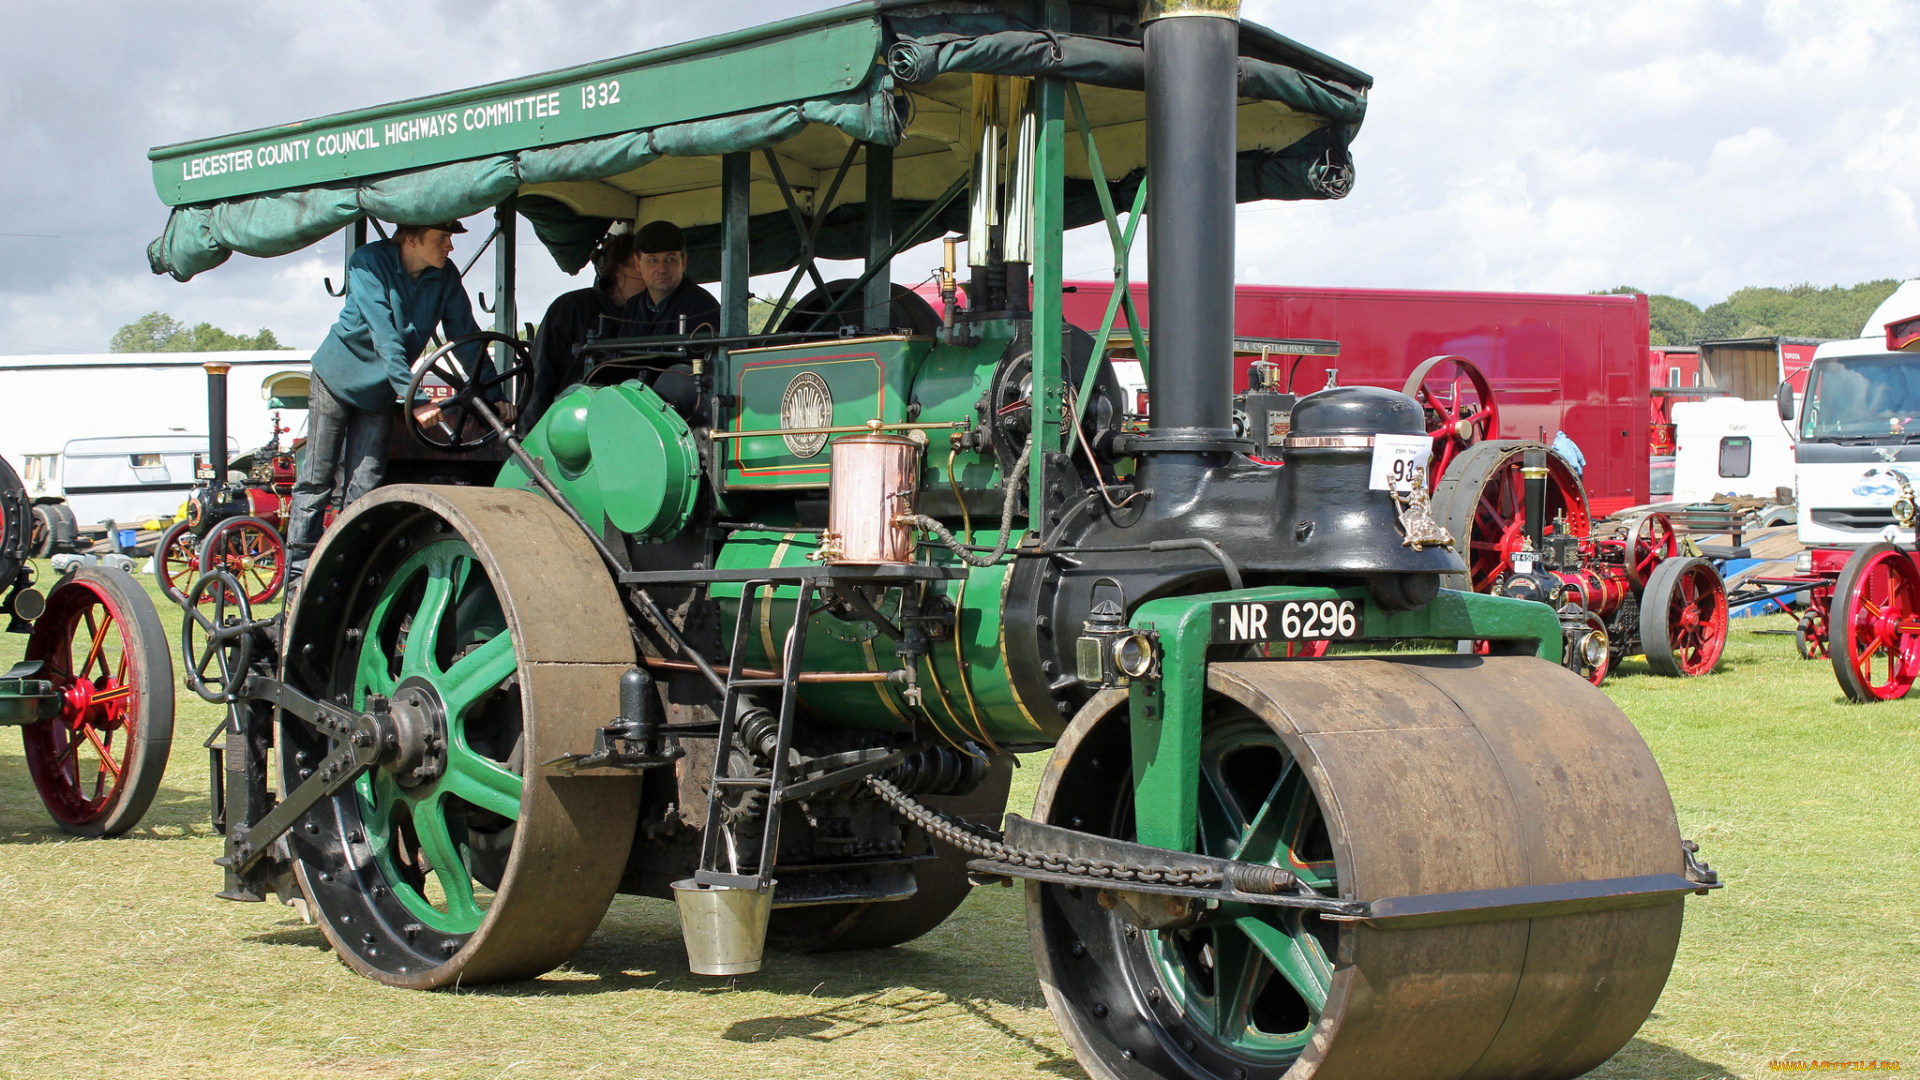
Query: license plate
1285	620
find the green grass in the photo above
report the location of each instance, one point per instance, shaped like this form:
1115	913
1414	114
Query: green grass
116	960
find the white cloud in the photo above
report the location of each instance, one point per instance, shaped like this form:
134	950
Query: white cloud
1683	146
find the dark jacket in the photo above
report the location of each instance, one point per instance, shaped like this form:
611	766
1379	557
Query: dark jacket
387	321
570	320
643	318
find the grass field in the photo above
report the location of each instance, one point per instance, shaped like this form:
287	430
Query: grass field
116	960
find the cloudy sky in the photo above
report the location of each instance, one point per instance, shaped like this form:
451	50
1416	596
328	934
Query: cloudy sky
1681	146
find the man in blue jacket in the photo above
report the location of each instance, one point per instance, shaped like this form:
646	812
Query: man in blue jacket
398	292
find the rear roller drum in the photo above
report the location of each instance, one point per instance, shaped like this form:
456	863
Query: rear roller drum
99	763
1369	779
485	622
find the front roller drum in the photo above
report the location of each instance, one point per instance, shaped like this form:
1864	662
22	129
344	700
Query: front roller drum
1371	779
486	622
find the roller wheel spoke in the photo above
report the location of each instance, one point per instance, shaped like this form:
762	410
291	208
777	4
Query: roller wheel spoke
476	674
449	864
1294	954
482	782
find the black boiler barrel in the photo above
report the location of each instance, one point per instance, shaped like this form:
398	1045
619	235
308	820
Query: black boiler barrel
1192	88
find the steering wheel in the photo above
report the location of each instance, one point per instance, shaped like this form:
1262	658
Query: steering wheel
217	666
465	403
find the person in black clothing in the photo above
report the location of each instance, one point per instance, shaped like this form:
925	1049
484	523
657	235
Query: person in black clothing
670	304
577	316
640	290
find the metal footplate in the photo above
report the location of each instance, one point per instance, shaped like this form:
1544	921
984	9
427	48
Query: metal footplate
1058	856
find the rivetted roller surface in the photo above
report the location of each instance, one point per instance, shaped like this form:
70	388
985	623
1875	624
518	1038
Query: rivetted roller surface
403	569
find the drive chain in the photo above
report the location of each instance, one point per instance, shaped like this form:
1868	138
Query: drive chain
985	843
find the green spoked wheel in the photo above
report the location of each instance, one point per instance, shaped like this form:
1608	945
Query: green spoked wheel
482	621
433	825
1370	779
1254	979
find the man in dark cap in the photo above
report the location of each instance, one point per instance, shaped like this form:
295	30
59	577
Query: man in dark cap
575	317
398	292
670	304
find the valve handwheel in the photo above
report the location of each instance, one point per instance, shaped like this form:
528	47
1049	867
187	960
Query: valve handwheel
1650	542
217	611
1458	402
447	433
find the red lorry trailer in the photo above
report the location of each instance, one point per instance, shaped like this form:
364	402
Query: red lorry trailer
1577	364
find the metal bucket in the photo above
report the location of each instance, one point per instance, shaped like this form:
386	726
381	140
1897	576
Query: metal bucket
725	929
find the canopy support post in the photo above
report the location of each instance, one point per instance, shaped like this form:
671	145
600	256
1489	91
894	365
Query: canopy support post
736	180
879	299
805	229
1049	322
1122	242
505	267
353	237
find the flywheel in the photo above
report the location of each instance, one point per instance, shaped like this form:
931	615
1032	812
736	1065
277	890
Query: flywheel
1368	779
484	621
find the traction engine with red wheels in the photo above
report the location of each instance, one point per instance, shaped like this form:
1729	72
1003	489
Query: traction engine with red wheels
93	696
1521	512
1871	614
237	527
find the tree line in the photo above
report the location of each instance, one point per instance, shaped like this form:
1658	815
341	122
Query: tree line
158	332
1837	311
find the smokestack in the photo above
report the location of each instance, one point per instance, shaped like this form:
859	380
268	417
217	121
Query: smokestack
1193	65
217	419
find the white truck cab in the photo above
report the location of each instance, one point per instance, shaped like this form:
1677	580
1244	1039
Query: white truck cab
1857	424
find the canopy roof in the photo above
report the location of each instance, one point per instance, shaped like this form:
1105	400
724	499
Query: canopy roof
640	136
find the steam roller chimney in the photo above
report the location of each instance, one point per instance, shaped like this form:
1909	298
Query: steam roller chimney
1193	64
217	419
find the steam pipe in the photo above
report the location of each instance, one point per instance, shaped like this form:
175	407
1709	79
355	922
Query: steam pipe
1192	67
217	419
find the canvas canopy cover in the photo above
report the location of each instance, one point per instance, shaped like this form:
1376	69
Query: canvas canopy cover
640	137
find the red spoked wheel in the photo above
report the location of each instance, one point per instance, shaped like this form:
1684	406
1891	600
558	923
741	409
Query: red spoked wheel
1874	639
1683	617
1650	542
1482	502
252	551
99	762
1459	406
177	559
1810	635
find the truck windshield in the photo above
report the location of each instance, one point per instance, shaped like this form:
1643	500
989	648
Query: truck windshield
1863	397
